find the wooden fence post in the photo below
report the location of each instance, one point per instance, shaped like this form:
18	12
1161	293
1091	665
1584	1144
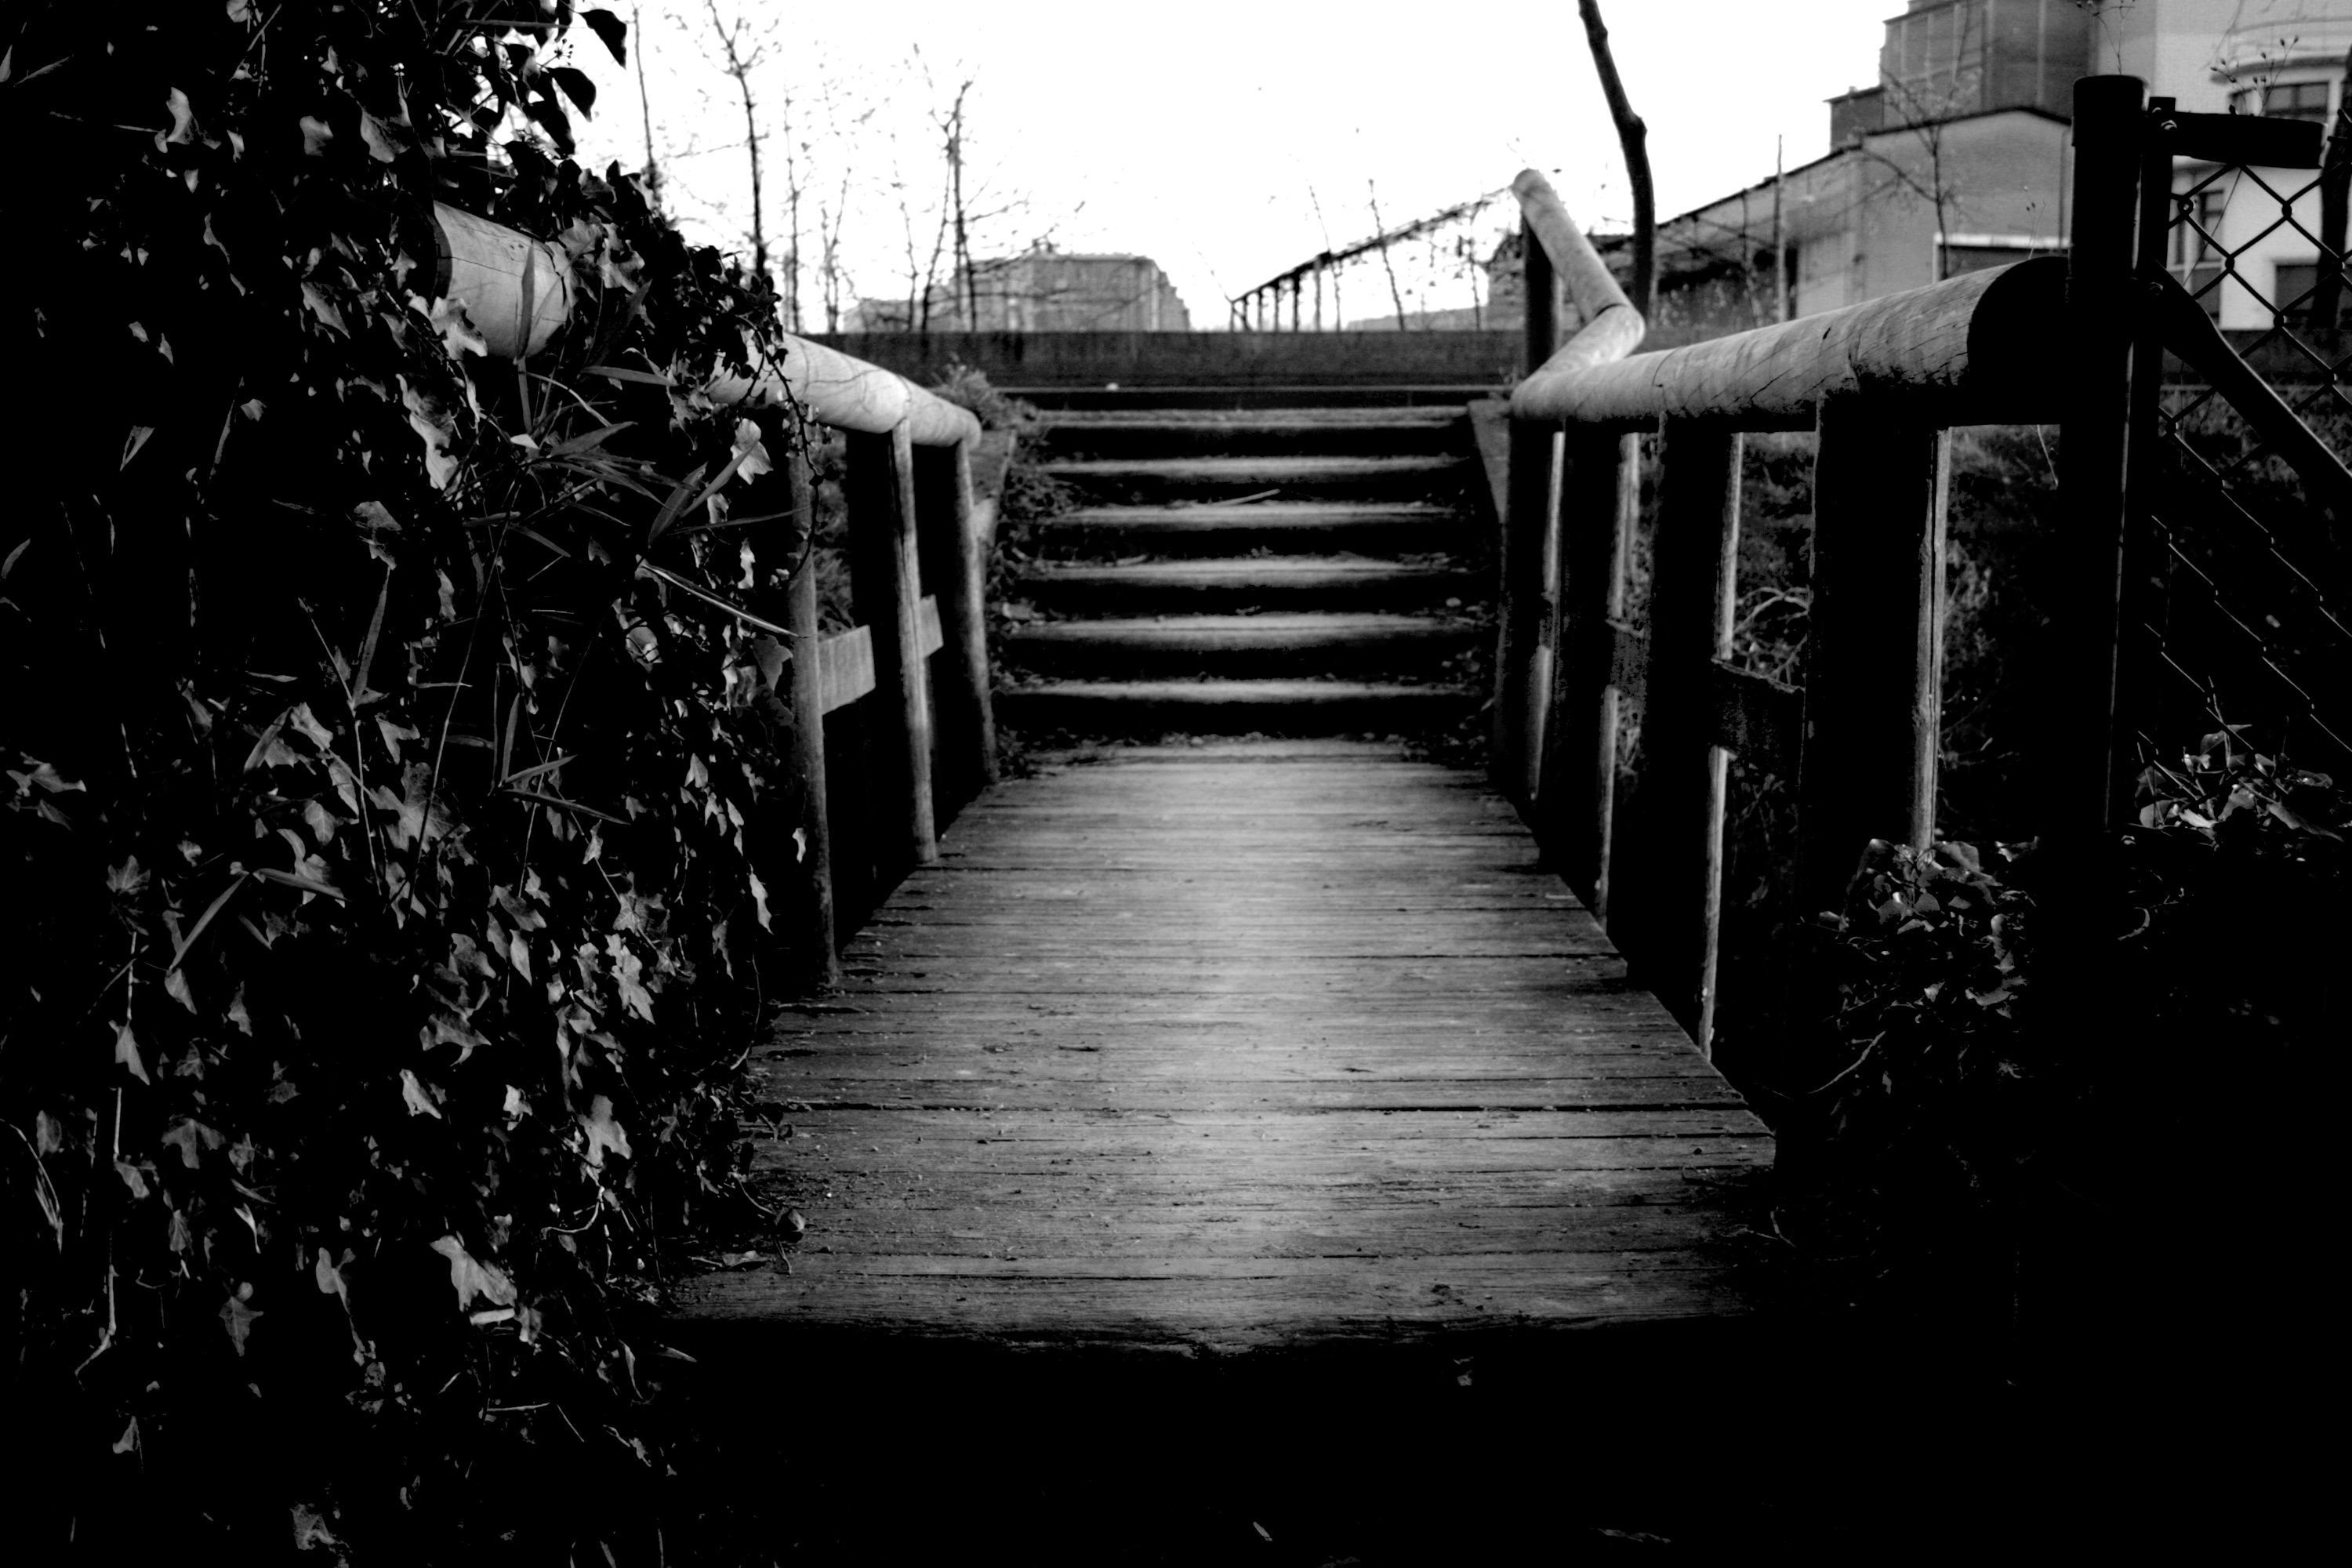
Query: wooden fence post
1527	522
811	920
956	569
1874	646
1600	498
2078	742
1671	882
886	574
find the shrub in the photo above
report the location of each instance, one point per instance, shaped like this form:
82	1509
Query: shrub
393	783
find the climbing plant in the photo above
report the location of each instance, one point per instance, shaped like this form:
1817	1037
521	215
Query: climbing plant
392	756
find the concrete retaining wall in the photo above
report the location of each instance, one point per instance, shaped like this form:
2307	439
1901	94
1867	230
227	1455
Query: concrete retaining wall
1091	360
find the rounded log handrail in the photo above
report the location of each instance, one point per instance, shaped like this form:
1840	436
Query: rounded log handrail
1968	341
1613	328
847	393
518	291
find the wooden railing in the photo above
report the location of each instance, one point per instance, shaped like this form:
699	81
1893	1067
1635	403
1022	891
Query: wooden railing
2045	340
914	524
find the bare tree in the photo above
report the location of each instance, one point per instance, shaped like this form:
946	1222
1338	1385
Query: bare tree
1386	265
740	55
1633	137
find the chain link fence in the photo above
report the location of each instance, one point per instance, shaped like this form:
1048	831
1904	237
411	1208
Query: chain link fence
2236	592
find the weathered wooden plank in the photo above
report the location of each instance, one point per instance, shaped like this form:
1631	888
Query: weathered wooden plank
809	895
1221	1095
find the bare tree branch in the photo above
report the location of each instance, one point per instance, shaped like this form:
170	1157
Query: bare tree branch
1633	137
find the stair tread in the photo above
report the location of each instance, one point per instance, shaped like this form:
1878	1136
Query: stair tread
1279	631
1242	469
1256	514
1296	691
1271	571
1416	416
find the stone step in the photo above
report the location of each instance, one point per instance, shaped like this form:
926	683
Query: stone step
1288	582
1366	433
1239	644
1286	527
1293	479
1232	707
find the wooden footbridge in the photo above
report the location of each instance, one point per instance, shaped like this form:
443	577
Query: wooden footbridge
1244	1019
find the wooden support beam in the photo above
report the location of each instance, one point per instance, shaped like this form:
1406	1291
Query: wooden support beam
955	562
810	923
1667	879
1600	498
1874	651
2080	780
886	579
1521	607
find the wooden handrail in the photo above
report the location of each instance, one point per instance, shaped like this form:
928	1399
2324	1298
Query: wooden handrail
845	392
1613	328
1956	350
2067	341
1550	244
518	293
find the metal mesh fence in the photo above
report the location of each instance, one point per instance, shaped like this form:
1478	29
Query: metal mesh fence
2237	588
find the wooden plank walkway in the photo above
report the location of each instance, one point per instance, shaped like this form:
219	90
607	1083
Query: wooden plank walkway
1246	1045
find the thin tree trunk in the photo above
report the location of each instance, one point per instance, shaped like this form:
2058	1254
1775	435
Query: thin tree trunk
1381	228
2335	186
645	109
1633	137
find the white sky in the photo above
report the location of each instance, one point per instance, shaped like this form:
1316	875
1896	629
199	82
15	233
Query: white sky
1204	132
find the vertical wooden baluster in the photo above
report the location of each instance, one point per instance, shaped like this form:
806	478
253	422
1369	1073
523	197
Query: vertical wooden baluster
886	579
955	568
1669	886
1600	498
2080	783
1525	521
1875	643
811	921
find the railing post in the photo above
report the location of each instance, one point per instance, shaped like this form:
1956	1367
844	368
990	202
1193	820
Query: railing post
1527	522
1874	642
811	920
887	581
1600	498
955	571
2078	743
1669	887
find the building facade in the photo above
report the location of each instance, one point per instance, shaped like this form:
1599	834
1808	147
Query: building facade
1959	157
1041	290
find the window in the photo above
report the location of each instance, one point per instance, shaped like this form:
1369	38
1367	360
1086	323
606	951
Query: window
2293	283
2295	101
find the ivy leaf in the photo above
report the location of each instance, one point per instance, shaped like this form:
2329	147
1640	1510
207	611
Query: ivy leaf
472	1279
189	1135
603	1133
576	87
126	1051
626	969
238	1317
612	30
414	1095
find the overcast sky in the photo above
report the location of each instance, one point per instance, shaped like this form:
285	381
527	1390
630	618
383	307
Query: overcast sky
1205	133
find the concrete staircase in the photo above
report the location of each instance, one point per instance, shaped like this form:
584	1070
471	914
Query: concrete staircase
1286	570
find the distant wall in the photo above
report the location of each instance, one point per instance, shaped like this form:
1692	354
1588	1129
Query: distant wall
1197	359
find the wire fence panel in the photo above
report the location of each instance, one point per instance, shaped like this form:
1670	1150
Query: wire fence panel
2237	588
